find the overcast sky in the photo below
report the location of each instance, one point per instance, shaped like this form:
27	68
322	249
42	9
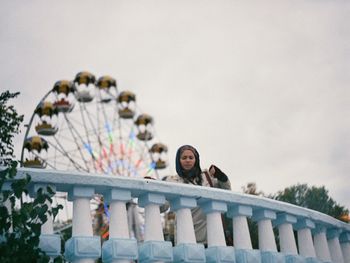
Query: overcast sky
260	88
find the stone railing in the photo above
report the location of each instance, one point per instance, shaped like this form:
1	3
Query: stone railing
320	237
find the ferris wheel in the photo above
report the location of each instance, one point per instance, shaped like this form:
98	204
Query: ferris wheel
89	125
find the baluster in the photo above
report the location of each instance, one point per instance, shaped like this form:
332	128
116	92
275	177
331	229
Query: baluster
217	250
321	245
186	249
334	245
82	247
345	245
305	243
119	248
7	187
241	236
265	231
285	222
154	248
267	244
49	242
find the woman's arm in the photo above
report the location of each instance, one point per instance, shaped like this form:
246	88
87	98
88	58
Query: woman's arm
222	180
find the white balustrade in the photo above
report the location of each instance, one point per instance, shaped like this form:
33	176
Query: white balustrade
118	224
330	243
154	248
83	247
7	187
184	227
47	227
265	230
286	235
334	246
118	229
7	204
82	222
184	222
345	246
241	235
321	245
215	230
305	242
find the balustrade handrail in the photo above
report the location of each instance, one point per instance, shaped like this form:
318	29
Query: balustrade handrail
65	181
321	238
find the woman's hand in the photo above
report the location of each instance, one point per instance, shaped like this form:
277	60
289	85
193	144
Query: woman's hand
217	173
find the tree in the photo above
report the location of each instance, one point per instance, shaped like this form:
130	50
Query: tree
313	197
9	126
20	227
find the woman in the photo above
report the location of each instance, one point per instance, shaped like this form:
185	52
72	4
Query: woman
189	172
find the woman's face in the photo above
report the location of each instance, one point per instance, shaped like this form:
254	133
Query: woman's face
187	160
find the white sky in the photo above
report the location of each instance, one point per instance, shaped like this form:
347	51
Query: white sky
259	87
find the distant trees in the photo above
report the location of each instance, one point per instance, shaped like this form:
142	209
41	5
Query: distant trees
313	197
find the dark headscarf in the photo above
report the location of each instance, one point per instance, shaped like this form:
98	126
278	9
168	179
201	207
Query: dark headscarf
195	173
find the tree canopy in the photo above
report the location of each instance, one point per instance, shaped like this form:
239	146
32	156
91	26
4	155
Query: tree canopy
316	198
20	226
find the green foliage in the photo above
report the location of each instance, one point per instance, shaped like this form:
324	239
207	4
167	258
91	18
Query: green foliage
9	126
20	227
313	197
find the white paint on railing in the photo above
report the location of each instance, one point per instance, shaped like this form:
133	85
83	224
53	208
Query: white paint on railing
215	230
47	227
184	227
82	223
118	225
287	240
335	250
241	235
345	247
266	236
153	224
305	243
321	246
7	204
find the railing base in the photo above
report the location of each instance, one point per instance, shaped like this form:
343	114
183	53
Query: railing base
50	244
119	249
151	251
272	257
77	248
189	253
247	256
313	260
220	255
294	259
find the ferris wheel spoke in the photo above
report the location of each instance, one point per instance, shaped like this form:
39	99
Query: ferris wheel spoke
94	131
60	148
110	138
73	130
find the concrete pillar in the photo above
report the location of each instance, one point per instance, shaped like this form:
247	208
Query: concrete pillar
334	245
305	242
285	222
265	230
241	234
345	245
119	248
321	245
